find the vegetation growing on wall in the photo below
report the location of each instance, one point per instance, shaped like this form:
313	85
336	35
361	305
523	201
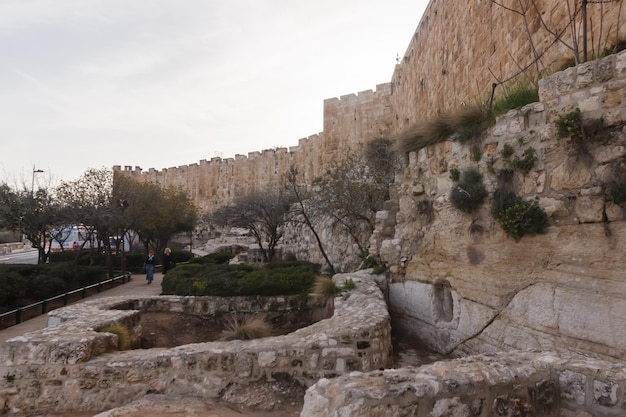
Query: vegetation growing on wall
524	164
466	123
518	217
519	95
470	192
122	332
580	133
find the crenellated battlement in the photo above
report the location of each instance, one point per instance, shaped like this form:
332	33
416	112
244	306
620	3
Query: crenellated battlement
448	62
215	182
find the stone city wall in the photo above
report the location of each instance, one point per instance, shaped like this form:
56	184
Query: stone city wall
473	292
350	120
461	48
500	385
458	50
70	366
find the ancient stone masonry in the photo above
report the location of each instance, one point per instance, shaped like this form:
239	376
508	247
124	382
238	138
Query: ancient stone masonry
348	121
71	366
483	292
500	385
458	50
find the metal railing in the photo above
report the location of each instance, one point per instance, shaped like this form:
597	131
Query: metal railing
125	277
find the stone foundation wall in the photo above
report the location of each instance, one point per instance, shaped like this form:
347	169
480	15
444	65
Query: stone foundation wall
70	366
461	285
499	385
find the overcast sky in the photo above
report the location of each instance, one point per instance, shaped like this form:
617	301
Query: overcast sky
161	83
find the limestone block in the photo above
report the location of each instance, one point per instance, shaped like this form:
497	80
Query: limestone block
614	117
533	183
570	175
421	306
614	212
612	99
572	386
605	393
553	207
605	69
565	81
594	317
584	74
620	64
606	154
516	125
534	307
590	104
589	208
450	407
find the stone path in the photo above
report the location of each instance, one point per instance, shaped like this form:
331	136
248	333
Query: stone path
136	286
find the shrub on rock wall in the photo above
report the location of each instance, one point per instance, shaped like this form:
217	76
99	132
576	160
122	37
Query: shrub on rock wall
518	217
469	193
521	94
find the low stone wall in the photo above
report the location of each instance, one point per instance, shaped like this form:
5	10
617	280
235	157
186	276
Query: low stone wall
6	248
71	366
507	384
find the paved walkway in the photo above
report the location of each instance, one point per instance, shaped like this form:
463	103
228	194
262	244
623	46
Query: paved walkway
137	286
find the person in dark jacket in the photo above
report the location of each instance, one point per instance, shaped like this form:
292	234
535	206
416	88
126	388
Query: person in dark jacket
148	265
167	261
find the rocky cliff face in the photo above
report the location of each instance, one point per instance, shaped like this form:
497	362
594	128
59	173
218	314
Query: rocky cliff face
465	289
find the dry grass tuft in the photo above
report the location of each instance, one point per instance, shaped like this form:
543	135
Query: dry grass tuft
463	124
325	288
122	333
252	327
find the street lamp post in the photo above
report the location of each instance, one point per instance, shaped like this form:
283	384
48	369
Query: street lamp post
32	186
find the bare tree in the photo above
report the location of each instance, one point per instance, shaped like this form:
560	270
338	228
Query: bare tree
263	213
355	188
303	212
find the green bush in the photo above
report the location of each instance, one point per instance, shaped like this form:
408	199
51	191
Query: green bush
469	193
379	269
526	163
348	285
507	151
455	174
519	95
213	258
46	286
31	283
12	288
518	217
233	280
368	262
570	124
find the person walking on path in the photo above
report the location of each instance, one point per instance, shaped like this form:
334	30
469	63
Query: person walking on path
167	261
149	266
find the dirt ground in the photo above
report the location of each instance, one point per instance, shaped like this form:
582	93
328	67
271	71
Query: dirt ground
165	329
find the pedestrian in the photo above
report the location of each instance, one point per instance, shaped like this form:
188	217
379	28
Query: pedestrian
168	263
149	266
